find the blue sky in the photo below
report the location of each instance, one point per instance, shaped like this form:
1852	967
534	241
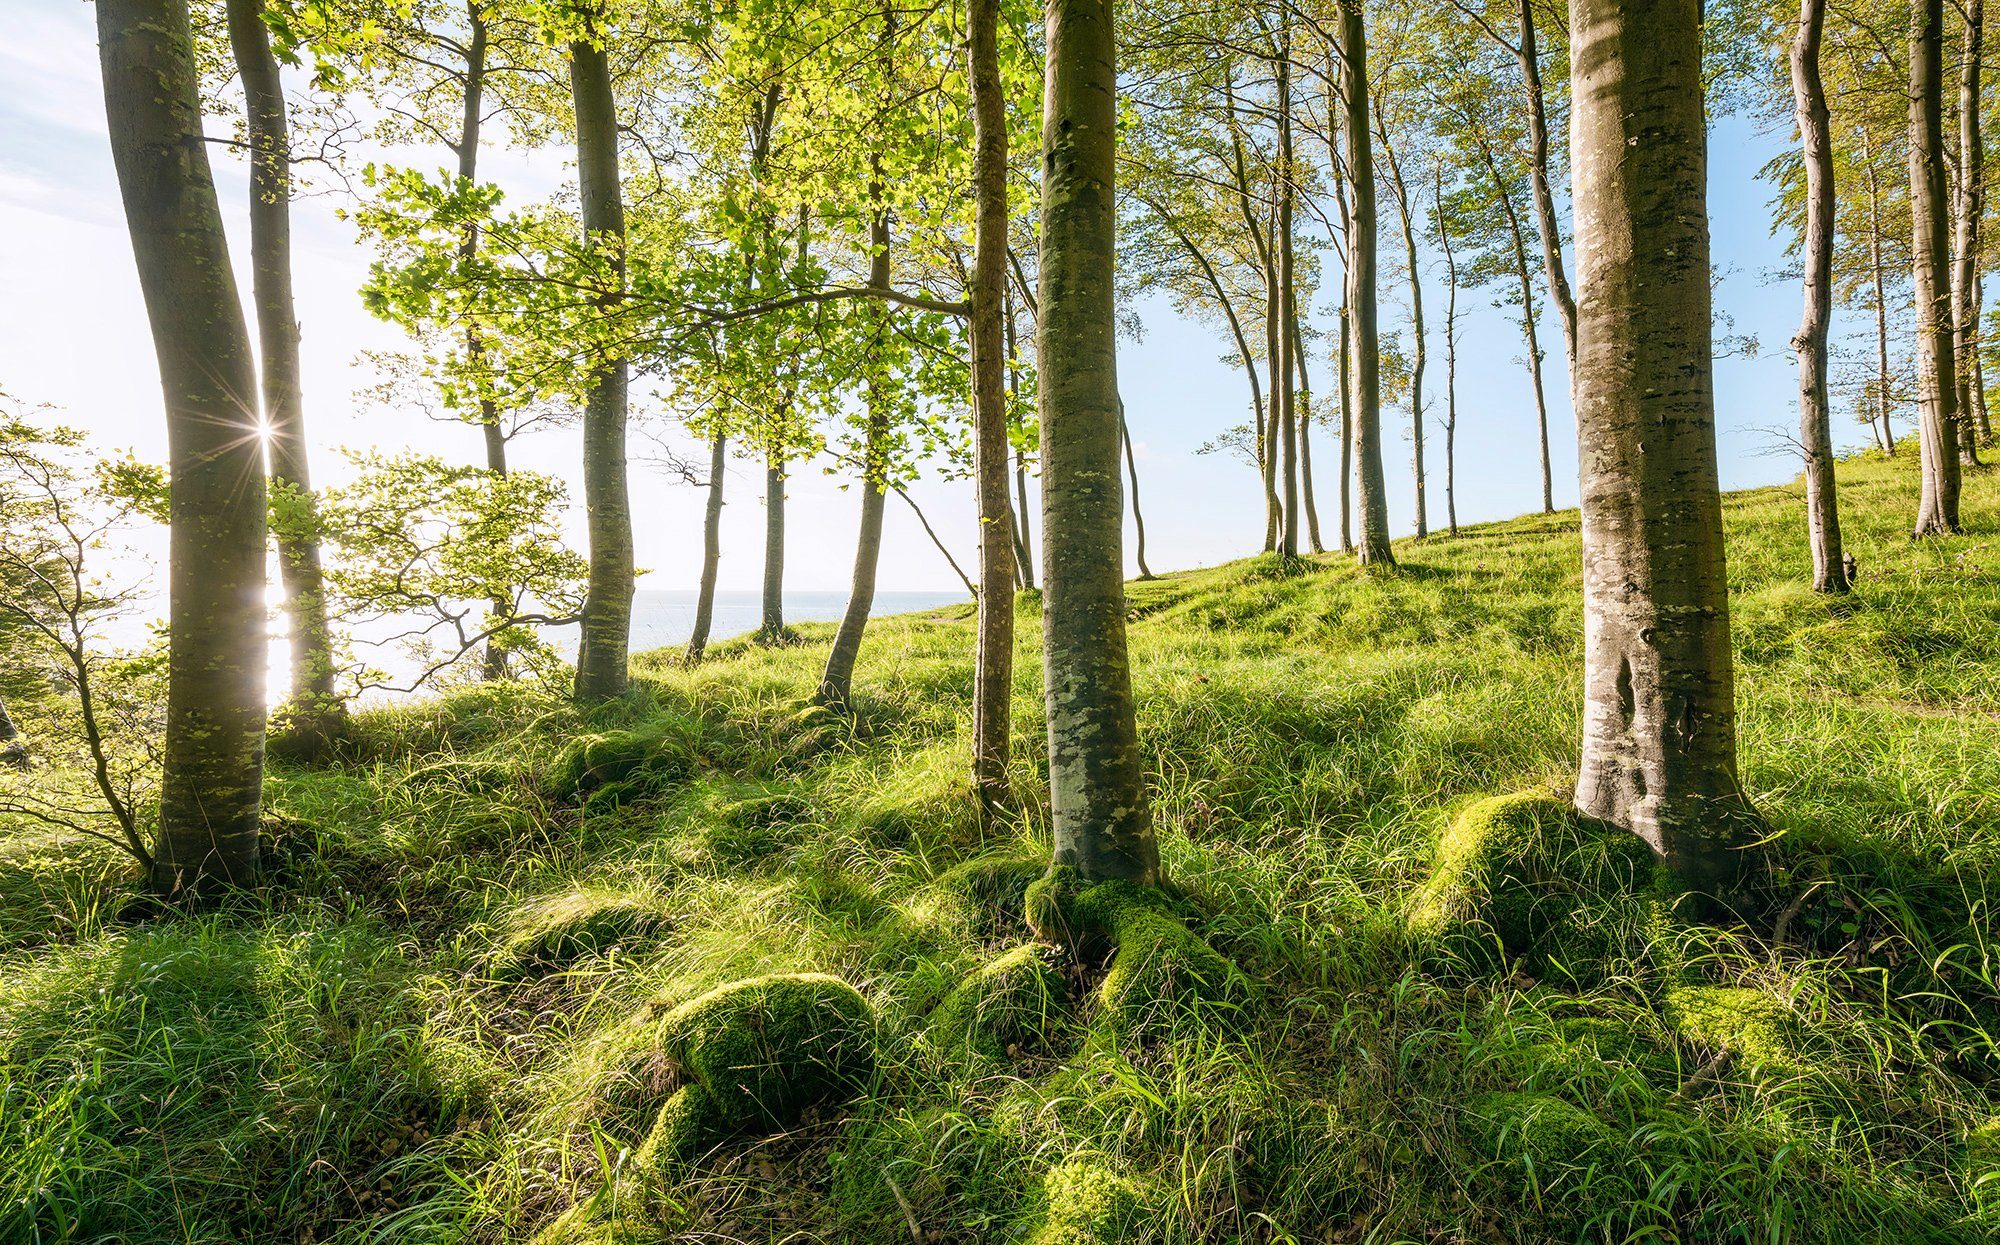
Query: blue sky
73	334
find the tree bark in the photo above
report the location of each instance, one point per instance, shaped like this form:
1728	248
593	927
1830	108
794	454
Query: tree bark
1305	424
213	756
1659	732
1937	384
1886	435
313	709
1815	424
1266	419
1024	554
772	629
836	681
1370	490
993	669
1968	210
601	670
711	549
1538	166
1528	329
1283	366
1102	826
1138	517
1417	360
1450	356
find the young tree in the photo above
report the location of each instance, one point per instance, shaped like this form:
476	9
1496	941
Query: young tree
213	758
1659	730
1937	383
1103	827
1371	491
1815	428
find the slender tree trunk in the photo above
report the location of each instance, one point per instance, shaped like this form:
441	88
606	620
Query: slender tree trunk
836	682
1270	432
1815	425
772	629
993	672
1968	210
313	709
1132	472
1102	825
1885	434
1284	366
1450	356
601	671
1242	349
1417	354
1335	74
1538	167
1937	385
1024	553
1370	489
711	549
1266	419
1305	424
1659	732
1528	329
212	760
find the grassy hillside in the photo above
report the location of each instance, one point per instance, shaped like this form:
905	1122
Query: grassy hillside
440	1021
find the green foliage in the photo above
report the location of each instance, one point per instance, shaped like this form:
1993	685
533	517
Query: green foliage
1086	1202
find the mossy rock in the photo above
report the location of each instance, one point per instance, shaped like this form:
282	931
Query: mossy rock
557	931
611	767
1085	1201
1014	1001
1543	1129
1749	1024
1561	891
1160	969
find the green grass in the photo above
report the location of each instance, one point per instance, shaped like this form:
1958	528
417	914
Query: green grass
423	1029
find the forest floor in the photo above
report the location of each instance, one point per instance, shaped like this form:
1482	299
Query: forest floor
430	1026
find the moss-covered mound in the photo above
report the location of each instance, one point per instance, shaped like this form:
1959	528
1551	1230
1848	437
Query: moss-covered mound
1558	890
1980	1167
1754	1028
1160	969
1011	1003
1086	1202
1543	1129
610	767
553	932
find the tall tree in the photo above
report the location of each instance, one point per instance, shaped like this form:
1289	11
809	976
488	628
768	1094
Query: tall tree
1444	223
711	548
1815	427
1659	727
1937	384
314	710
1968	210
601	669
1102	825
213	758
1371	491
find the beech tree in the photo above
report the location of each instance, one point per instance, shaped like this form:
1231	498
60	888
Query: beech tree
213	755
1815	429
1371	491
1937	377
1659	728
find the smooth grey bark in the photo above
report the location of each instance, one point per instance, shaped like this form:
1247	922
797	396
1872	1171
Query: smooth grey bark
1371	493
1528	326
772	628
1659	729
1345	228
1266	419
1102	826
1283	366
1538	171
1815	426
1967	211
1024	553
1450	353
1417	353
313	709
1132	472
711	549
993	664
836	680
1937	384
601	658
1885	435
212	759
1305	424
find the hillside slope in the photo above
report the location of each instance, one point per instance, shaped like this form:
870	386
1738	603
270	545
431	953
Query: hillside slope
442	1020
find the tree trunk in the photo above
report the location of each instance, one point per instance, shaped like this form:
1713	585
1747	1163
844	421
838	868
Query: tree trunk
1265	421
1334	75
993	671
772	629
1283	366
1538	168
711	549
313	708
213	757
601	671
1450	356
1968	210
1815	424
1102	826
1885	434
1659	731
1528	329
1024	554
1370	490
1402	191
836	681
1138	517
1305	424
13	752
1937	385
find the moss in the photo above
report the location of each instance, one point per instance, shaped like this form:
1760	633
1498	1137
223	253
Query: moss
1559	890
994	882
767	1048
1980	1166
611	767
1086	1202
687	1125
585	1224
1749	1024
1160	969
1013	1001
561	929
1542	1129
